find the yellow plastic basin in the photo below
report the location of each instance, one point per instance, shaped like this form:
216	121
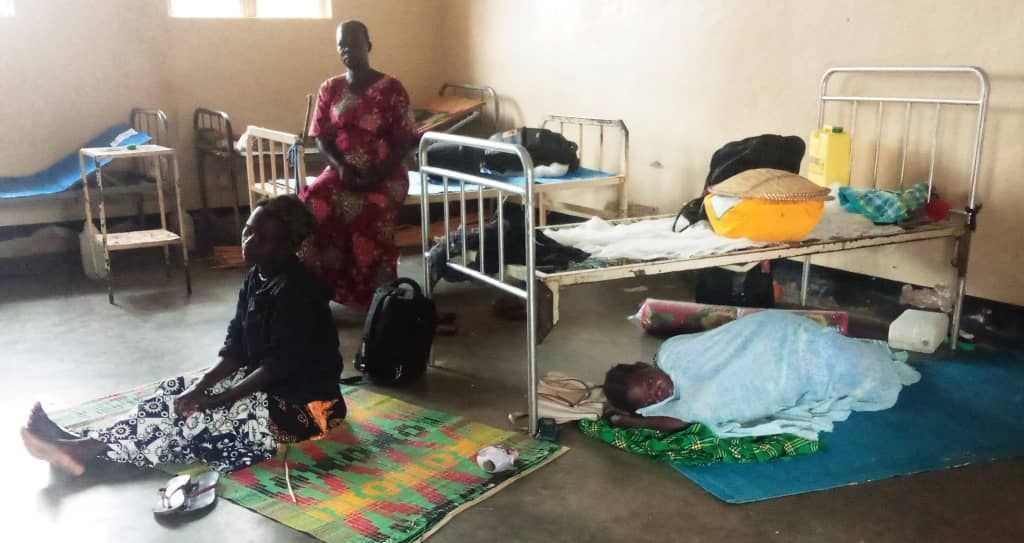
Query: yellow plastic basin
766	220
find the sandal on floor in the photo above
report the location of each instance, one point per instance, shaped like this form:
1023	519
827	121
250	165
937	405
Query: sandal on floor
181	495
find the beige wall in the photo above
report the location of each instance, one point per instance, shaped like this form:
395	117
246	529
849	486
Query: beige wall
688	76
66	75
71	68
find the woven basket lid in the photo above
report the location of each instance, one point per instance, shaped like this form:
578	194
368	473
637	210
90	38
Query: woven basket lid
769	184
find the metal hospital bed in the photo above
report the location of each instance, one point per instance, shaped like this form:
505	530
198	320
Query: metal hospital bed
551	191
957	228
62	202
455	107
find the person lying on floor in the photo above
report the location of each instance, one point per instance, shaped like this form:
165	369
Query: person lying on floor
768	373
276	382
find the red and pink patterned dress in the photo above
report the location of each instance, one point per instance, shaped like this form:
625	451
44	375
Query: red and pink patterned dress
353	248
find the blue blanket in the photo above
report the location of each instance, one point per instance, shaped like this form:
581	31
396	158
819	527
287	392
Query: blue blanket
65	173
777	373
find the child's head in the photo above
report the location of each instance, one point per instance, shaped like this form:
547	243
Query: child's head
631	386
275	229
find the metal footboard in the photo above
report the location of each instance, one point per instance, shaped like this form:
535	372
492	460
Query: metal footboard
526	194
938	104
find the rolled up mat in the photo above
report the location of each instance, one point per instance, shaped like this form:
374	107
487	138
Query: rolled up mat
677	317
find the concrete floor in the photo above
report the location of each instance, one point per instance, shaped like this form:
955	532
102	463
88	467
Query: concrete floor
62	344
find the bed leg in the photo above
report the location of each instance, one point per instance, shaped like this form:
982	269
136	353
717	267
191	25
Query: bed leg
188	273
555	299
960	252
805	276
954	325
547	309
234	190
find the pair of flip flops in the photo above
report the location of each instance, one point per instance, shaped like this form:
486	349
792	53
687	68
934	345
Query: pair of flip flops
183	495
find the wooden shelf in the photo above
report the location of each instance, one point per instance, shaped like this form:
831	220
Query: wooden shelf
138	239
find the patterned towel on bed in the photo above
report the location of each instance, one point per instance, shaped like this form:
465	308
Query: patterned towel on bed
884	206
697	445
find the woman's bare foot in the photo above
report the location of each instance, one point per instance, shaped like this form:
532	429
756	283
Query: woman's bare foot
40	424
51	452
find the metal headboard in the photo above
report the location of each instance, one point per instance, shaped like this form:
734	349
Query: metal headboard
217	121
150	121
961	246
153	122
487	94
981	103
504	189
601	124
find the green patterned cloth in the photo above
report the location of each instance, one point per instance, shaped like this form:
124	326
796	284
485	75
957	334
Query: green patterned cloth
884	206
696	445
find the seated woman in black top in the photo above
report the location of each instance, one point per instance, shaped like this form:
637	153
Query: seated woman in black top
276	382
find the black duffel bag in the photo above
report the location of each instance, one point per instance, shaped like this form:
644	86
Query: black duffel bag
545	147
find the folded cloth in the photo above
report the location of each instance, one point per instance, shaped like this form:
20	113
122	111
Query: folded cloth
568	399
697	445
884	206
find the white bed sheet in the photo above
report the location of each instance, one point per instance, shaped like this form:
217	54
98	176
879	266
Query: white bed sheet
653	239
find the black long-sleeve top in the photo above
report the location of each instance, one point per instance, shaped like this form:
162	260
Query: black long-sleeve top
284	325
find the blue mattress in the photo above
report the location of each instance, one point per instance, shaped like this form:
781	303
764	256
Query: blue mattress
436	187
65	173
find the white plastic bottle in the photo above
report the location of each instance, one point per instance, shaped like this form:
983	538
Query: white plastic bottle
919	331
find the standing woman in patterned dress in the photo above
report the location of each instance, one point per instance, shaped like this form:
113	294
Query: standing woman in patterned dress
364	127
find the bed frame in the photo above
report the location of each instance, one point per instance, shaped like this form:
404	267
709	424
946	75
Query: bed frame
483	93
266	154
217	123
958	227
69	204
581	130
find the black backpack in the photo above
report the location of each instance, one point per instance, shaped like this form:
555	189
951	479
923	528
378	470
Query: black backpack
545	147
398	334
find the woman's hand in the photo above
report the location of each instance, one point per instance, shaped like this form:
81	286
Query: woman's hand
189	402
619	418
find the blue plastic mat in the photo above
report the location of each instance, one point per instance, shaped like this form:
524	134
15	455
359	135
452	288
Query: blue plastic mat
65	173
964	411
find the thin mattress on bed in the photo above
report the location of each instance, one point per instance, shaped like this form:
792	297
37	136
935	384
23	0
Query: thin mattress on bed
653	239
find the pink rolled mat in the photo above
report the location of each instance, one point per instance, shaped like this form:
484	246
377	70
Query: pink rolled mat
675	317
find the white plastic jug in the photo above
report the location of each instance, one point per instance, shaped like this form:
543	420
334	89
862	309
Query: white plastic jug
919	331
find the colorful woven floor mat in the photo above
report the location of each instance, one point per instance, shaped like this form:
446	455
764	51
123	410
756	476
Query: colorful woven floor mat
396	472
